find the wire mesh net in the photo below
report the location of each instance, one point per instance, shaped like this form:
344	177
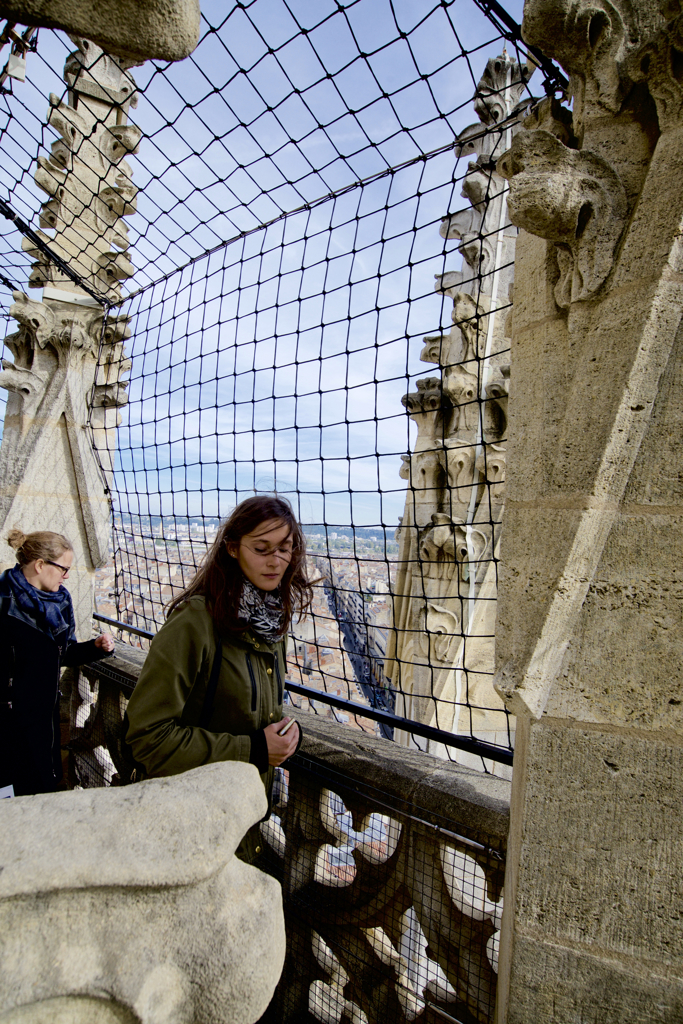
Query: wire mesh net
290	193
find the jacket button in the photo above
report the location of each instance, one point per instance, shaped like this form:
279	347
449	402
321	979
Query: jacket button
272	715
258	849
257	646
269	671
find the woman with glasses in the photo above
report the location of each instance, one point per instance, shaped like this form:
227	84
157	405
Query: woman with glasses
211	688
37	638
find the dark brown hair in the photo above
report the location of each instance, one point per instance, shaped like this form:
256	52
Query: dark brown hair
41	544
220	578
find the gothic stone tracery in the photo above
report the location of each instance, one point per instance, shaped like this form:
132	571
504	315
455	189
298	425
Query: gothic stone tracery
51	478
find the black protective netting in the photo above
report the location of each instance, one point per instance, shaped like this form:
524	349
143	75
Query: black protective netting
293	176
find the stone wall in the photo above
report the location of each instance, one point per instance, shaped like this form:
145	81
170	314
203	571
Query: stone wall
589	638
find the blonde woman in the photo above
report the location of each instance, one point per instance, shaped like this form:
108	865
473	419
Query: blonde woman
37	638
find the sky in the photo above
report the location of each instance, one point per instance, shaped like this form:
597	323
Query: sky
280	359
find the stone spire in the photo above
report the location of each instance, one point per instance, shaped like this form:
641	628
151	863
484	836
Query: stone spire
441	652
50	477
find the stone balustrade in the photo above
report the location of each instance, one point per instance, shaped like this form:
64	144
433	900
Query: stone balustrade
391	862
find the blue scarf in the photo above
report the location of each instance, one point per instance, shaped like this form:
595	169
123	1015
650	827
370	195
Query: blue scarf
50	612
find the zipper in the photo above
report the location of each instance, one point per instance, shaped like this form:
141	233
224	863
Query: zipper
54	706
279	680
253	681
10	680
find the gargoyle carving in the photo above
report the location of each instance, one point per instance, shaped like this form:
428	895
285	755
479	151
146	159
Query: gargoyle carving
469	316
660	63
29	384
573	198
437	349
460	383
500	93
480	187
458	461
477	250
36	317
590	38
425	473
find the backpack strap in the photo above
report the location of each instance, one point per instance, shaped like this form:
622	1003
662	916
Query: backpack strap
210	695
134	770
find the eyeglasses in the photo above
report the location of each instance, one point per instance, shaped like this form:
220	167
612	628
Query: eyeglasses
64	568
282	553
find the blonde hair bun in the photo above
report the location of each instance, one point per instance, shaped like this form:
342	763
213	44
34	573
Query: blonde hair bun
42	544
15	538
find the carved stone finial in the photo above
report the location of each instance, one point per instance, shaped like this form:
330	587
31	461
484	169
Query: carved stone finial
574	199
500	88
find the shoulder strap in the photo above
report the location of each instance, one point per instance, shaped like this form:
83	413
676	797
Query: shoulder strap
210	695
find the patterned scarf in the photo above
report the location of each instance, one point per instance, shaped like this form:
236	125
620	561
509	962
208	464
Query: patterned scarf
50	612
263	611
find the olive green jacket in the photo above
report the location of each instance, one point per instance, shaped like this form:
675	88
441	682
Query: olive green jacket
168	700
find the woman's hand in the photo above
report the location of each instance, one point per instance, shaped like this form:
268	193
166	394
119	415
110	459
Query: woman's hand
280	747
106	642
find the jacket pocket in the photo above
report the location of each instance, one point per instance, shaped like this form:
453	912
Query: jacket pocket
254	693
279	679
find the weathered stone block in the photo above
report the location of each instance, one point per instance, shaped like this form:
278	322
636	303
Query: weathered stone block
134	897
162	29
638	682
601	859
553	984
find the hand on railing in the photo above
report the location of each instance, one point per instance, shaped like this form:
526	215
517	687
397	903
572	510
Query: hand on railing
105	641
281	746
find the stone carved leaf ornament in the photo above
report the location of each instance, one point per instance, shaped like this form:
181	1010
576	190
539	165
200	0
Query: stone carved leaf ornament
438	543
500	88
440	633
572	198
36	317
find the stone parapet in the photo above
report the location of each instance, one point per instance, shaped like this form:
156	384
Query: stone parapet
391	862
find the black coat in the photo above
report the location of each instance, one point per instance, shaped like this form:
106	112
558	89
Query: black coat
30	663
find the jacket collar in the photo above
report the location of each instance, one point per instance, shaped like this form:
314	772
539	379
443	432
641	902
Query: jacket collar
15	612
257	642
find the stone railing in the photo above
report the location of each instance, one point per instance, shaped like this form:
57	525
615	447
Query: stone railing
391	863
